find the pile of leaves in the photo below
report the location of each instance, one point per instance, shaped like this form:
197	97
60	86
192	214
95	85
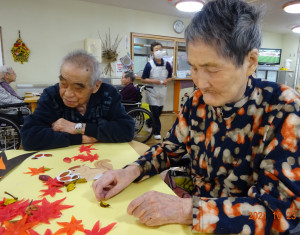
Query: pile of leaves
22	216
33	213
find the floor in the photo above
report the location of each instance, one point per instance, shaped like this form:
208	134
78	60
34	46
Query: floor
167	121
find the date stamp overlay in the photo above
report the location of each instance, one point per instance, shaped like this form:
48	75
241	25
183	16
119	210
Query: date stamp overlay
277	215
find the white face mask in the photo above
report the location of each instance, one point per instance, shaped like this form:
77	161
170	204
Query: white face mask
159	54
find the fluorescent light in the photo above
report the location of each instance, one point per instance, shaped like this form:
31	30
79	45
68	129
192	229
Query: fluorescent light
292	7
296	29
189	5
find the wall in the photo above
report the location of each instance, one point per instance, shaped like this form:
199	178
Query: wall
291	45
271	40
52	28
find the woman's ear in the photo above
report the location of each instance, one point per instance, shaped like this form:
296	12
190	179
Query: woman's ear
97	86
252	59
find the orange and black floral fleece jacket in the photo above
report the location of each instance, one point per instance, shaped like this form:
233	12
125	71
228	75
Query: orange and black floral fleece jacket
245	159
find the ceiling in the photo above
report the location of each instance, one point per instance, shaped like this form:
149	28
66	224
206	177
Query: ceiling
275	20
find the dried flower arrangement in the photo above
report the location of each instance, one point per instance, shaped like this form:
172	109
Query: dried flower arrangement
109	51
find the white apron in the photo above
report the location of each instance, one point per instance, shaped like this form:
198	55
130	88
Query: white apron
156	96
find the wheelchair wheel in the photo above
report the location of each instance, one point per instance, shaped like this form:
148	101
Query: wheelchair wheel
9	133
140	115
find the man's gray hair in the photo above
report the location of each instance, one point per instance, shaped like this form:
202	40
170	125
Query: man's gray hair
233	27
84	60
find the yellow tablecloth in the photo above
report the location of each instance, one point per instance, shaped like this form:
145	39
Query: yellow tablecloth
86	207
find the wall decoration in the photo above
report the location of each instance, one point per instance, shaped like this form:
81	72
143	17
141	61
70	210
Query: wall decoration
20	51
93	46
109	52
1	49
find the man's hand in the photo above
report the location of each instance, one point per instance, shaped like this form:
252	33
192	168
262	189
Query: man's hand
155	208
64	126
114	181
88	140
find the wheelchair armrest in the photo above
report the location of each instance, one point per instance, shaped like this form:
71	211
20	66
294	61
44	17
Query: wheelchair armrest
129	102
16	105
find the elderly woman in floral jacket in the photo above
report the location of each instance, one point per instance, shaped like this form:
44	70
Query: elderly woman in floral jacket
242	136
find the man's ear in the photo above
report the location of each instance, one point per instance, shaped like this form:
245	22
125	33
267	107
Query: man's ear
96	87
252	59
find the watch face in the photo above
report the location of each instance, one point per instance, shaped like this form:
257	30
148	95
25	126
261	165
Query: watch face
178	26
78	126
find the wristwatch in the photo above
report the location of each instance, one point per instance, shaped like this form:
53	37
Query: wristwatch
161	82
78	128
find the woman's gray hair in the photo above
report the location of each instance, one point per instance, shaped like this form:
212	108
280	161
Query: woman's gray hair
84	60
5	69
129	74
231	26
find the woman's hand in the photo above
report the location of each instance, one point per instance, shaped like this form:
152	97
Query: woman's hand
114	181
155	208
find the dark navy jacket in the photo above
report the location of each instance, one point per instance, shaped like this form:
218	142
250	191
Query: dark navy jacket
105	118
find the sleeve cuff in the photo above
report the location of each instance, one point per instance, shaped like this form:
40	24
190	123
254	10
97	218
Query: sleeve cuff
75	139
91	130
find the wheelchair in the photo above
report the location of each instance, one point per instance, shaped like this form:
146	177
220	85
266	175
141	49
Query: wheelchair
141	132
11	120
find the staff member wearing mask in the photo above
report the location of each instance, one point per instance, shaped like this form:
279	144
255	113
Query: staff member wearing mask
158	73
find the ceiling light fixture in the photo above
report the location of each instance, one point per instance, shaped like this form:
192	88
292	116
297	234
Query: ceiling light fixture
296	29
292	7
189	5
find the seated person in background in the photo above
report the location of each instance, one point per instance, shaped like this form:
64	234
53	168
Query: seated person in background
241	134
129	92
7	94
80	109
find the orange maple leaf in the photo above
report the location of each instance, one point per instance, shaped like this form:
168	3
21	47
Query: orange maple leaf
36	171
20	227
70	228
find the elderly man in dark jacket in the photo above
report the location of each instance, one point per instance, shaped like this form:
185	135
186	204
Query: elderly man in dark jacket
79	109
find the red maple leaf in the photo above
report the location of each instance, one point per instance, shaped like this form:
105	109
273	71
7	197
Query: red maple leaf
99	231
84	158
20	227
10	211
79	157
86	148
48	232
2	230
47	210
36	171
32	232
50	191
2	204
53	183
70	228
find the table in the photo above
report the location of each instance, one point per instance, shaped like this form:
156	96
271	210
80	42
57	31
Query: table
86	207
32	100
